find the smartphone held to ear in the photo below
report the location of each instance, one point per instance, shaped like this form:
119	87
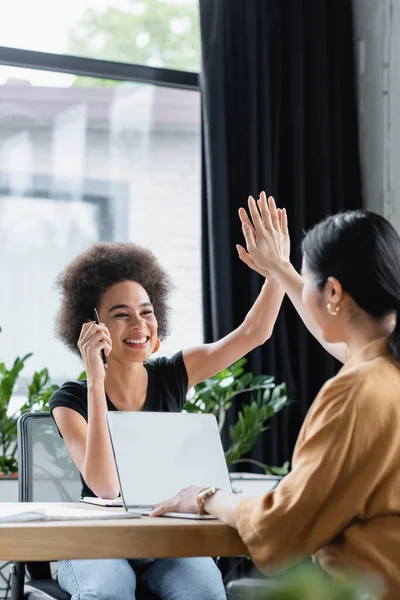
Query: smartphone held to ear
103	355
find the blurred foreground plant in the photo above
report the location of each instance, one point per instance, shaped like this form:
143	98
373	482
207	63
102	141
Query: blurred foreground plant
310	583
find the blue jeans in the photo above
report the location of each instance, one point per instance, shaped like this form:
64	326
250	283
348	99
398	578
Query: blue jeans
115	579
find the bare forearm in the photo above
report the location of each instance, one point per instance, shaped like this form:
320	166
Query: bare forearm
223	505
292	283
205	361
261	318
99	468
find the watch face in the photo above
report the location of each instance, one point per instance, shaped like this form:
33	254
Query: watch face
206	492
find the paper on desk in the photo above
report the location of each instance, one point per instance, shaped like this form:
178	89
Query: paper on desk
102	501
12	513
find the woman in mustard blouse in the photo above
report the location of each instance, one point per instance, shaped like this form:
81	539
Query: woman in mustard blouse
341	500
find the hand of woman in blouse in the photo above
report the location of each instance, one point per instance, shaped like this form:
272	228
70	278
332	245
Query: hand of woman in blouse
267	236
185	501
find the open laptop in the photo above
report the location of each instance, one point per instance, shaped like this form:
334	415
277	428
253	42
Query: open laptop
158	454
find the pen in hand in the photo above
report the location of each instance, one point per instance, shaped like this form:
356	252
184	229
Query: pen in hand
103	356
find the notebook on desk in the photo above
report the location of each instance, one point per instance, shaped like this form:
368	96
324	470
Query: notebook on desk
158	454
15	512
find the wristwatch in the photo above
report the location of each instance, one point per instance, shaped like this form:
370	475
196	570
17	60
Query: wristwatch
203	495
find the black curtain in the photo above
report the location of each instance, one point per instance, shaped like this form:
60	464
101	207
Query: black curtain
279	114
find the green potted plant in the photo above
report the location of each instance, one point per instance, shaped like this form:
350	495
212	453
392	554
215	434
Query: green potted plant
266	399
215	395
38	396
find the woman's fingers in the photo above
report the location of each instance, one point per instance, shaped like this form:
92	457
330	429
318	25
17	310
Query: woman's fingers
86	327
160	510
273	212
170	505
92	352
90	329
100	340
265	213
245	256
244	217
255	215
95	340
265	232
249	237
284	222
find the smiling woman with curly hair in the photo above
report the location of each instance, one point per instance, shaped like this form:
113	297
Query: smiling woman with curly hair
102	266
130	291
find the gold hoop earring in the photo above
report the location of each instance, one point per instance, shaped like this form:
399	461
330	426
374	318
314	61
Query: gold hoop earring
157	346
332	310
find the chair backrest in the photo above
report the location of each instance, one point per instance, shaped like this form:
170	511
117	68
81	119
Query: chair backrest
46	471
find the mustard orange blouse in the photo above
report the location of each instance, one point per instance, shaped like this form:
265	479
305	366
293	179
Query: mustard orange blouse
341	501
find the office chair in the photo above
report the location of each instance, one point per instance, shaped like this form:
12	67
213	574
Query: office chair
46	473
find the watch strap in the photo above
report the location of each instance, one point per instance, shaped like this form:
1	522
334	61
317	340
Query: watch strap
202	496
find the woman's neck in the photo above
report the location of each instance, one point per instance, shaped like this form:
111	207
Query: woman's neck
369	330
126	384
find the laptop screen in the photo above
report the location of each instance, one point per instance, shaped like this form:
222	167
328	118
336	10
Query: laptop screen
158	454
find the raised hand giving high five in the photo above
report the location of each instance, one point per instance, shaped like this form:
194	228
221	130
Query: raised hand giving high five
267	237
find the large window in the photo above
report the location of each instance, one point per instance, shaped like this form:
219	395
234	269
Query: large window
89	160
160	33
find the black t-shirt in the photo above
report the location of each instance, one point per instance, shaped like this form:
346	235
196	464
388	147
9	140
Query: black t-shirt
166	392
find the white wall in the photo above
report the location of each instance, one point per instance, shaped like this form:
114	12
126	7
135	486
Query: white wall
377	33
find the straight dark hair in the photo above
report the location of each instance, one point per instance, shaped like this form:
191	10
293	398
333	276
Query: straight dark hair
361	250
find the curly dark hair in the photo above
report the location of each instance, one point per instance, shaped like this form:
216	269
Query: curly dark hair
87	277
